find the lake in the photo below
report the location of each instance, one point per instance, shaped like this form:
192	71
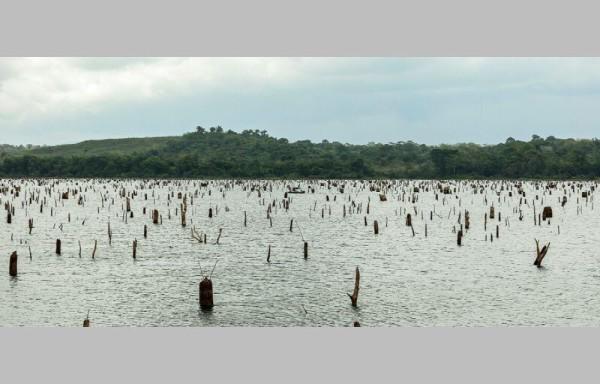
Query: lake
406	279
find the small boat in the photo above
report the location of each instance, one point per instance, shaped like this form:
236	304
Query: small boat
296	190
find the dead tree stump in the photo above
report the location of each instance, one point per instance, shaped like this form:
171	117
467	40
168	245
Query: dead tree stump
12	265
206	293
58	247
547	213
376	227
354	295
541	253
94	251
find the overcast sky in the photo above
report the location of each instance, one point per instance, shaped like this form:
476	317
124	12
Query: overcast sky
355	100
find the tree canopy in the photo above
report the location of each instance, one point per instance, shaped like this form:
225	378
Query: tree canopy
219	153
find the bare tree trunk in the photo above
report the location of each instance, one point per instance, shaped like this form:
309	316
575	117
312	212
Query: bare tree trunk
354	296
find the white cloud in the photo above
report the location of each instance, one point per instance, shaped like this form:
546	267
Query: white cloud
42	87
49	100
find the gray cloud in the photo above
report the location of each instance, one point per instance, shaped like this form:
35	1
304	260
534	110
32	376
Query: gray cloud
429	100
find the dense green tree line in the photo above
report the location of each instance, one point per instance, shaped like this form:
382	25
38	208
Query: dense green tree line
215	153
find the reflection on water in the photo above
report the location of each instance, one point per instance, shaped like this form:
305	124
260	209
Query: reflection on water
406	280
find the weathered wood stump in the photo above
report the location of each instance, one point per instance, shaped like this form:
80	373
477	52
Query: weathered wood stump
376	227
155	216
58	244
547	213
540	253
354	295
12	265
206	293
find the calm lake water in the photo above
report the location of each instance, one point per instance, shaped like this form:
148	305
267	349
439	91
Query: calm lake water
406	280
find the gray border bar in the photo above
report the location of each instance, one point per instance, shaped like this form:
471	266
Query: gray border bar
298	355
299	28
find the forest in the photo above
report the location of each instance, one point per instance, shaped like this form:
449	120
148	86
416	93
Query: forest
216	153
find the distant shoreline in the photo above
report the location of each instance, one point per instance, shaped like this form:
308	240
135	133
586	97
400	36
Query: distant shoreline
219	154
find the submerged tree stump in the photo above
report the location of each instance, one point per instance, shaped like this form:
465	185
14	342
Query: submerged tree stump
541	253
376	227
305	250
354	295
547	213
155	216
58	247
183	212
12	265
206	293
459	237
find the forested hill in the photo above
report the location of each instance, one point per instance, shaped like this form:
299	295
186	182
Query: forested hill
215	153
